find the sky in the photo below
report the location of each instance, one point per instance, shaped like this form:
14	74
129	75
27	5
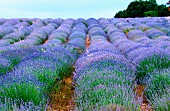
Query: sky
63	8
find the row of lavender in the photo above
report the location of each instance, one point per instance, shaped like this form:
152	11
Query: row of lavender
54	36
147	53
13	53
138	52
103	75
122	51
30	73
33	34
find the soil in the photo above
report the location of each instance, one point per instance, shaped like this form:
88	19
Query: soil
145	106
62	98
87	41
46	41
67	40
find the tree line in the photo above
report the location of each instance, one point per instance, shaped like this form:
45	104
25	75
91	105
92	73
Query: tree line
140	8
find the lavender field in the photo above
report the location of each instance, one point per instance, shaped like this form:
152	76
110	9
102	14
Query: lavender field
115	64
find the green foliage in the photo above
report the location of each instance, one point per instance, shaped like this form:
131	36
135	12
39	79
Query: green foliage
21	92
30	22
14	61
85	23
63	40
153	1
48	77
66	71
143	9
20	20
151	64
157	90
128	29
102	89
158	84
3	69
150	14
11	41
162	11
121	14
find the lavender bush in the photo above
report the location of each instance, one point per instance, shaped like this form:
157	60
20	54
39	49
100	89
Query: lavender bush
157	90
153	33
37	74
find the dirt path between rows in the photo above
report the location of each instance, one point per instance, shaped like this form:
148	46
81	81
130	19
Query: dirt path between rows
62	98
145	106
87	41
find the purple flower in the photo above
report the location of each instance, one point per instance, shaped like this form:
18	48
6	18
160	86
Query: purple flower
91	21
163	38
146	53
77	34
133	34
2	21
154	33
57	21
11	22
58	34
65	29
5	31
94	26
4	43
21	25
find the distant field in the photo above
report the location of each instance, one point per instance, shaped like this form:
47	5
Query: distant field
114	64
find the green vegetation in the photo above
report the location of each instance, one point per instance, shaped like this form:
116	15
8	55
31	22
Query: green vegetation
151	14
151	64
157	90
25	92
141	8
128	29
13	62
97	90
